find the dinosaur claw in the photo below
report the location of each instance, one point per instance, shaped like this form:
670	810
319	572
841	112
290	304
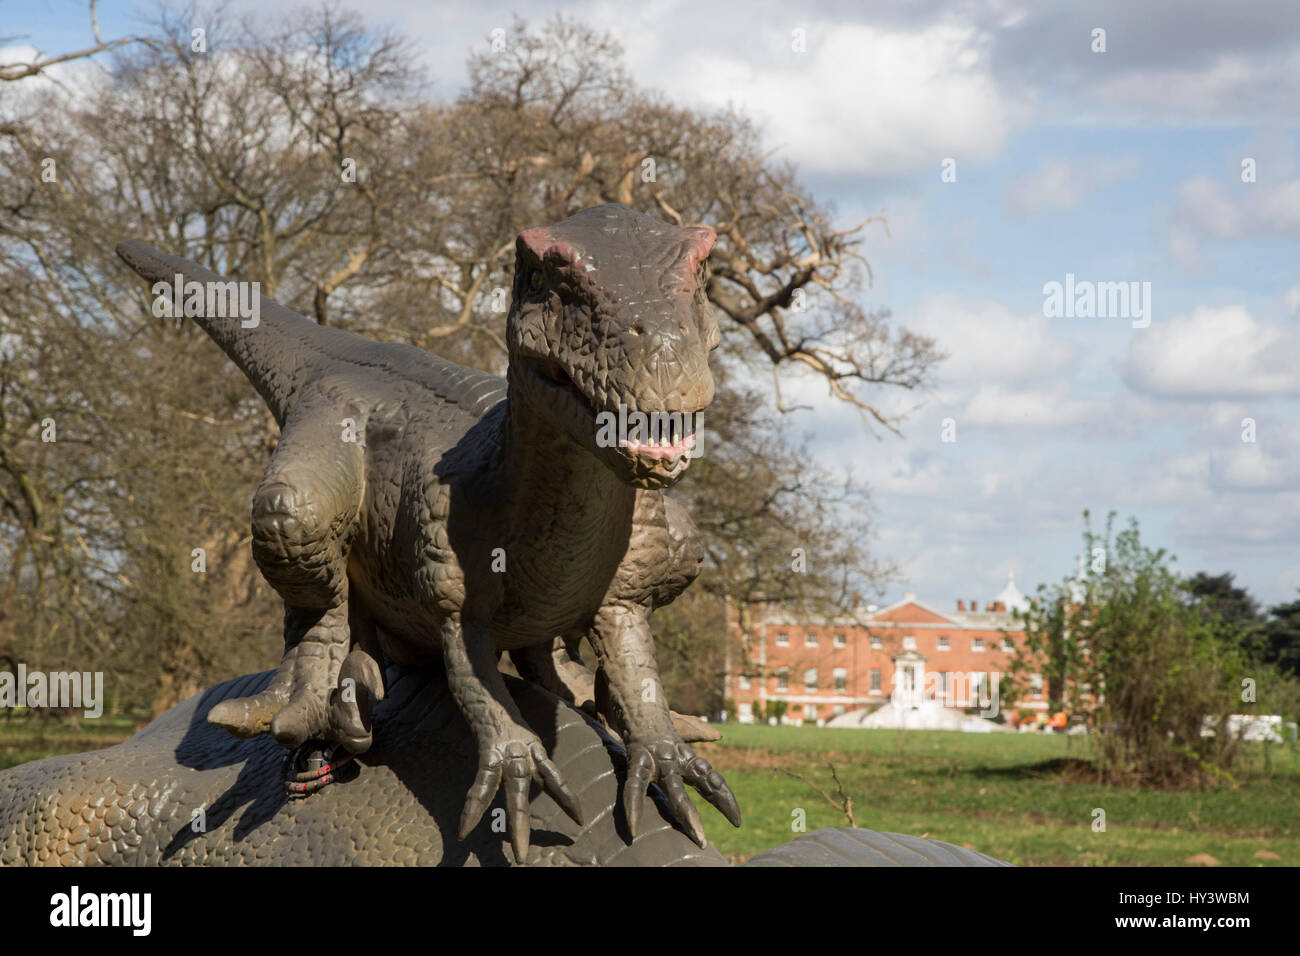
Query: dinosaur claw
672	765
640	772
300	720
682	807
512	764
553	785
248	716
701	775
480	792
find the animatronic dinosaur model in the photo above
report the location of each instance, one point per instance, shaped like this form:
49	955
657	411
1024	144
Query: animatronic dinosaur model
416	508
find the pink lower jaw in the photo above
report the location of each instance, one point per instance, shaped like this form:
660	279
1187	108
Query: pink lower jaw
661	451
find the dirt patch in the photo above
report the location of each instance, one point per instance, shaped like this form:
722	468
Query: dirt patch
760	758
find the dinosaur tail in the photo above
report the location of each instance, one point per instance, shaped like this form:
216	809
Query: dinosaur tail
268	342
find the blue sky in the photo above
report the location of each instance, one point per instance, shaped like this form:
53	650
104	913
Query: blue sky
1115	166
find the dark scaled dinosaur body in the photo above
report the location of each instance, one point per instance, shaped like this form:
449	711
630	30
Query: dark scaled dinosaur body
415	510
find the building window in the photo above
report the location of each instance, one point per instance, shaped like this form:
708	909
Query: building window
909	643
979	685
875	680
1008	645
1036	684
944	644
809	711
877	642
783	680
841	680
810	639
841	640
782	639
744	682
943	680
977	643
746	711
810	680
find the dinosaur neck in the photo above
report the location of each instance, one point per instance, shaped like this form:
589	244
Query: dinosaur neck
559	494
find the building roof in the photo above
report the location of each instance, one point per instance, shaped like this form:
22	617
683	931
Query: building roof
1010	595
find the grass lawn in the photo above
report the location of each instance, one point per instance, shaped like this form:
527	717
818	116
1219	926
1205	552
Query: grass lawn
33	738
1018	797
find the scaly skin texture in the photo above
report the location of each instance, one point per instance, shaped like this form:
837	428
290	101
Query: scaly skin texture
416	510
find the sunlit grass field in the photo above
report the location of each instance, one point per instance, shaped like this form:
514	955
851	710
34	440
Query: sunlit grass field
1024	798
33	738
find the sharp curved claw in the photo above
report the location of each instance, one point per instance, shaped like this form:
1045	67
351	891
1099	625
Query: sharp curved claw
701	775
480	793
365	670
673	765
548	775
517	774
513	766
640	771
249	716
682	807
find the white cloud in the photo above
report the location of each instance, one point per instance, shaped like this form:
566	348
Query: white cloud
1292	299
987	342
1214	352
870	99
1207	209
1255	468
995	405
1216	86
1061	184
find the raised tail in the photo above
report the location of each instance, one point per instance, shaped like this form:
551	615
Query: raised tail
268	342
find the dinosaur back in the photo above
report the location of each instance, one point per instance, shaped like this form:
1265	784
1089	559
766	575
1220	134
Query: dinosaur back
282	351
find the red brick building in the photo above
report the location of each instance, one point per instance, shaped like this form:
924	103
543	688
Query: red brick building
910	650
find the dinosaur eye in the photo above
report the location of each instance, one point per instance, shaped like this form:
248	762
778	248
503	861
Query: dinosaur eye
536	279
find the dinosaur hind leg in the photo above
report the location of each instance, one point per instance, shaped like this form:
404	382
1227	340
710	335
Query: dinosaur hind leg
304	518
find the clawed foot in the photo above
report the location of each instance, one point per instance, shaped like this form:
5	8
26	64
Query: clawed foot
513	761
671	764
313	696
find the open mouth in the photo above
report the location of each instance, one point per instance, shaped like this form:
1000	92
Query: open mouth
660	450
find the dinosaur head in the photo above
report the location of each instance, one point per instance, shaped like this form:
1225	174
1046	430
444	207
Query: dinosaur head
609	335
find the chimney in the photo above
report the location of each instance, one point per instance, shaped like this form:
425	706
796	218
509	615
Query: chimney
961	605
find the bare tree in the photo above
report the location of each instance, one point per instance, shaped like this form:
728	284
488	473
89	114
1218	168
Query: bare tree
313	159
17	71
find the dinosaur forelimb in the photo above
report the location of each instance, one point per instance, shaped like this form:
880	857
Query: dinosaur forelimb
656	752
510	754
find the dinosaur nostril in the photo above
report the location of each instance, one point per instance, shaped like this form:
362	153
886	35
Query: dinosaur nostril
637	330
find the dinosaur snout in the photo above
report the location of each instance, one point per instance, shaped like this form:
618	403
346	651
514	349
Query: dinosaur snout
672	369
